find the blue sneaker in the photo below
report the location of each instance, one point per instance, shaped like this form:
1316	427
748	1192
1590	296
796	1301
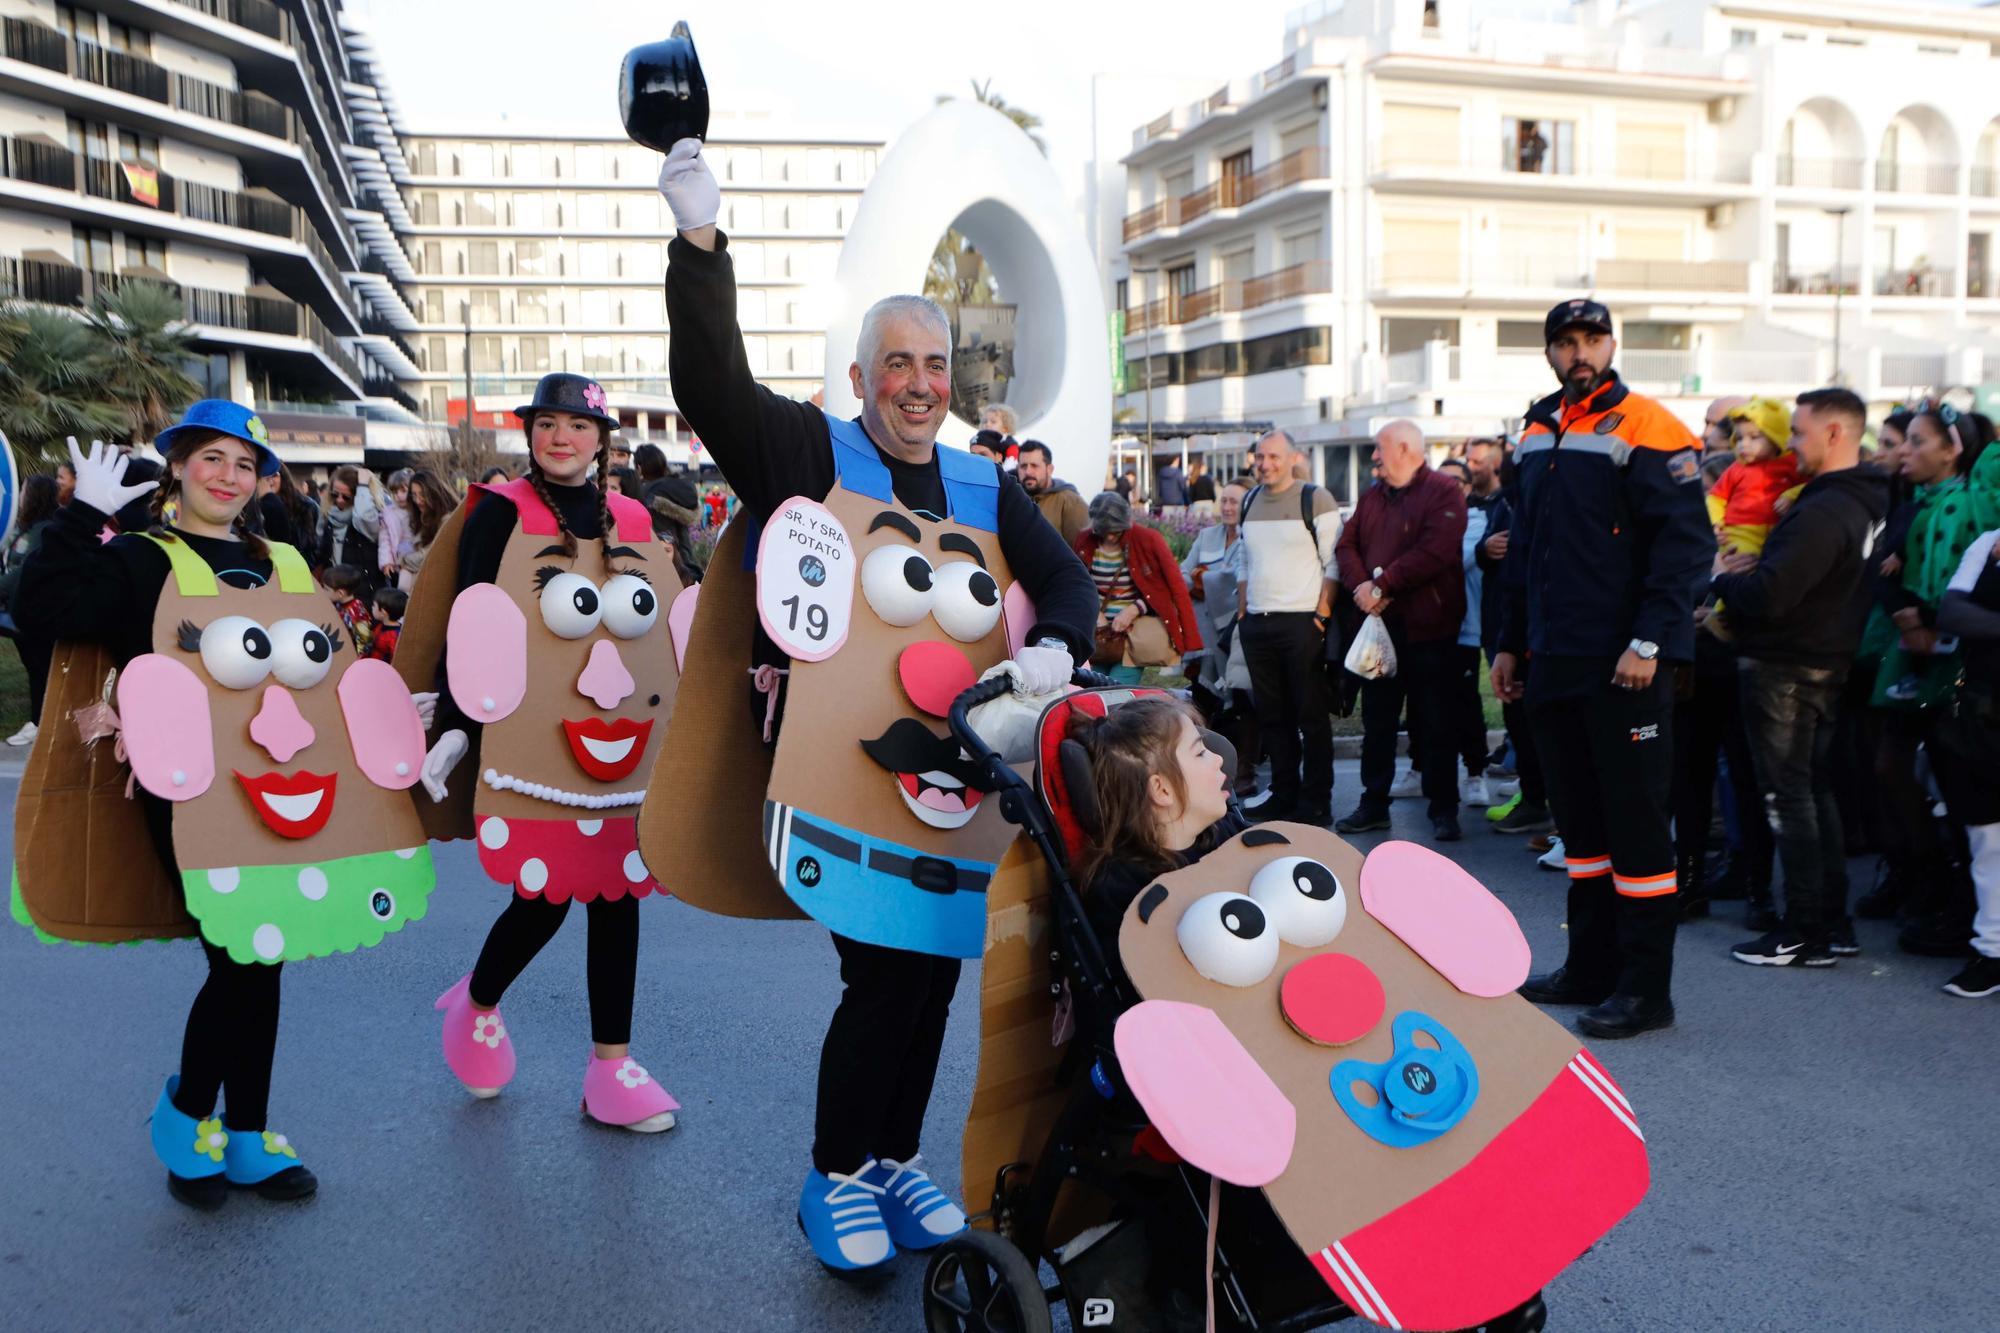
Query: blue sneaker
192	1151
843	1223
919	1214
267	1163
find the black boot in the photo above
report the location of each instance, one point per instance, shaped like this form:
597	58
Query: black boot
1762	914
1692	873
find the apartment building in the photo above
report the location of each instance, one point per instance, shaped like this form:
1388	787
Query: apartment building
237	151
1770	194
537	252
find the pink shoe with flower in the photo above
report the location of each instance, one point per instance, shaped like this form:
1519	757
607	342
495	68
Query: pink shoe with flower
620	1093
476	1045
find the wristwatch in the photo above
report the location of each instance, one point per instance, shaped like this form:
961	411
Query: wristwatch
1646	649
1051	641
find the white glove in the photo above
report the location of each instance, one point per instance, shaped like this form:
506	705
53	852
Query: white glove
427	707
1041	670
444	756
100	478
689	187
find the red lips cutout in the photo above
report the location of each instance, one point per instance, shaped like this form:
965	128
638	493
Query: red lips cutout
608	735
276	798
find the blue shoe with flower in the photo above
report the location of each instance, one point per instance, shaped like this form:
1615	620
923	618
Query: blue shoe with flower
843	1224
192	1151
268	1163
919	1214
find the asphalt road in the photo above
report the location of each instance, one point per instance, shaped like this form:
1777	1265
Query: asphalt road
1819	1140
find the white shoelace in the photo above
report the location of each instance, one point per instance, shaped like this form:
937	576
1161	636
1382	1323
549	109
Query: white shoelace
913	1194
855	1209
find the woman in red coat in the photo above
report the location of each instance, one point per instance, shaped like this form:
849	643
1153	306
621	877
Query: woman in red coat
1136	575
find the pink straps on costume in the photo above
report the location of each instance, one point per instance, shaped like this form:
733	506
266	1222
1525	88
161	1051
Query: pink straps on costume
767	680
634	524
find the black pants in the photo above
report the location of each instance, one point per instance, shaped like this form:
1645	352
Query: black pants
1857	735
1527	759
1286	655
1608	756
881	1054
1708	725
1911	839
1233	716
611	965
232	1033
1424	675
1790	713
1468	733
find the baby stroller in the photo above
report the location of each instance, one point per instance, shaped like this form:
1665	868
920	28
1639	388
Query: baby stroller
1123	1223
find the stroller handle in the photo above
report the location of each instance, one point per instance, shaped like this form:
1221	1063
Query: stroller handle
986	691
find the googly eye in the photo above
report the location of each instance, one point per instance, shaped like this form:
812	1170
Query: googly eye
1305	902
630	605
570	605
897	581
968	601
236	651
301	653
1228	939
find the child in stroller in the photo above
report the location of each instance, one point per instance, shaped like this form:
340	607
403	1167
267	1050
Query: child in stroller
1128	788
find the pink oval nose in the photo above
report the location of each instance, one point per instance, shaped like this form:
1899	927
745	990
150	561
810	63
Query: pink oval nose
1332	998
279	726
605	681
933	674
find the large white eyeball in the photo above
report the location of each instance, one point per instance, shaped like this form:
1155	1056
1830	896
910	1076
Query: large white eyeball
968	601
301	653
630	605
1305	902
1228	939
570	605
897	583
236	650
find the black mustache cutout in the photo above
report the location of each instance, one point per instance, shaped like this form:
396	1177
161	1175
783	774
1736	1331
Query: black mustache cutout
908	746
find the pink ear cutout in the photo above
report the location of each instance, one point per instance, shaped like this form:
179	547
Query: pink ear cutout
680	622
1447	917
163	714
1019	609
486	653
1208	1097
382	724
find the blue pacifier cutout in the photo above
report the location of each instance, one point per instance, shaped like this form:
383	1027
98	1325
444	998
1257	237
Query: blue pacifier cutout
1420	1093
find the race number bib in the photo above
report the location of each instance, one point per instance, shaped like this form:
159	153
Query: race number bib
805	580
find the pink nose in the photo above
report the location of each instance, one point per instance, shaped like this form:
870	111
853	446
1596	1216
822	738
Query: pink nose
279	726
605	679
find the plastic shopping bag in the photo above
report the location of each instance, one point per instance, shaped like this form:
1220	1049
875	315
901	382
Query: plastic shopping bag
1371	656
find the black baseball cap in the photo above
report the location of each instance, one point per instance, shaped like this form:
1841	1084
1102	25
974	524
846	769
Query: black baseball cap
1569	314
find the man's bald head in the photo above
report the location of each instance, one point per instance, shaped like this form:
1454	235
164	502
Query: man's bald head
1717	433
1399	452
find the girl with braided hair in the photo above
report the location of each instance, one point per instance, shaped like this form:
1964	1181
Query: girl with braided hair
557	592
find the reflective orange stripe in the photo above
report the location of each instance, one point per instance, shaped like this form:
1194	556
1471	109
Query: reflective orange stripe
1644	886
1587	867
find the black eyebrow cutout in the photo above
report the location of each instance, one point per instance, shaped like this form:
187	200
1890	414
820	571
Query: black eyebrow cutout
613	552
964	545
1149	902
548	551
1265	837
889	518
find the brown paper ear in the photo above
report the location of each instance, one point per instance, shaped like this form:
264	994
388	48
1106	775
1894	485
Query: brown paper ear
86	862
715	761
419	649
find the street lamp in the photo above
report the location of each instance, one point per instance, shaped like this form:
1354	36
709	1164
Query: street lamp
1839	281
465	309
1145	308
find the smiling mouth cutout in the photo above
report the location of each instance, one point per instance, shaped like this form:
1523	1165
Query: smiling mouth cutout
932	774
607	751
293	807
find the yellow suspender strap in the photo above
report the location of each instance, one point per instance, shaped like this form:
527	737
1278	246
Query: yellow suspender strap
293	575
195	579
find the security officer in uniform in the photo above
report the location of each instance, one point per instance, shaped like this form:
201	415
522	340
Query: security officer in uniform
1610	543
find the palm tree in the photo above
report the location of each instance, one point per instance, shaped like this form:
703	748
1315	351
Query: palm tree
143	344
957	275
50	383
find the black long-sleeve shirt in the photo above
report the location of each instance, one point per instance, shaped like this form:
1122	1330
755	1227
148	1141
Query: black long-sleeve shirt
772	448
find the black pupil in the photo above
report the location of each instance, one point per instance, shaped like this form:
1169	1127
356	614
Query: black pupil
642	601
1315	881
257	643
984	590
585	601
917	573
318	647
1243	919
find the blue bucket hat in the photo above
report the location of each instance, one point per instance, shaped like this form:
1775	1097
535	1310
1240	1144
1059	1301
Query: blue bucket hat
220	416
576	394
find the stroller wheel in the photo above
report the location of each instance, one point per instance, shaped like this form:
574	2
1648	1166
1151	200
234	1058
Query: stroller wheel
978	1282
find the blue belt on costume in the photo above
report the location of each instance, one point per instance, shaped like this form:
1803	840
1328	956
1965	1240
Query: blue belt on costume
876	891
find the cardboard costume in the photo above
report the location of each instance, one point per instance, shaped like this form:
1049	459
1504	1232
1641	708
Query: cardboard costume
287	764
567	665
1345	1035
862	817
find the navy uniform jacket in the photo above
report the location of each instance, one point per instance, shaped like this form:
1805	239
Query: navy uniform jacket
1611	540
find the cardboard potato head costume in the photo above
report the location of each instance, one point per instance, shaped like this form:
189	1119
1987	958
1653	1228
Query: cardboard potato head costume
1344	1034
552	632
277	818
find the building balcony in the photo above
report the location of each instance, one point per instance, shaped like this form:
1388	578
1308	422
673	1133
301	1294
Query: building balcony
1841	280
1430	165
260	16
1313	278
1934	283
1227	196
1819	173
1671	275
1914	178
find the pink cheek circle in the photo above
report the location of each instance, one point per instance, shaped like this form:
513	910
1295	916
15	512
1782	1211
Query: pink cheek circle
382	724
486	653
1332	999
164	717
